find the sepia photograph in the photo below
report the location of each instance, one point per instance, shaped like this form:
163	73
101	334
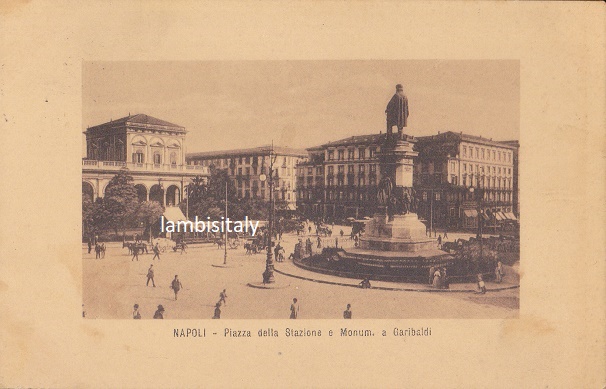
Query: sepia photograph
301	189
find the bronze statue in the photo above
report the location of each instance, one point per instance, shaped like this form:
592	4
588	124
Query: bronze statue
384	191
397	111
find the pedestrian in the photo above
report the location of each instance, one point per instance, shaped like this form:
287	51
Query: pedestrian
341	233
499	273
156	251
176	286
446	233
436	279
90	245
135	253
347	312
432	270
309	230
481	284
83	311
319	242
150	276
445	281
222	297
136	314
440	241
217	311
294	309
308	246
183	247
97	251
159	314
336	242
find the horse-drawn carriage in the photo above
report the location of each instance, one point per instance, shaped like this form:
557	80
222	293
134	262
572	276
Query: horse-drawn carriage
324	231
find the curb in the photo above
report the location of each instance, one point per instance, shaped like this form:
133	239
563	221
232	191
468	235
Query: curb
395	289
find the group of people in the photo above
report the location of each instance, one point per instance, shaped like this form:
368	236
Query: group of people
159	314
438	278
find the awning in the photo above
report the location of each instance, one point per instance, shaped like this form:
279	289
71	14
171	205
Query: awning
485	216
510	216
470	212
174	214
291	207
500	216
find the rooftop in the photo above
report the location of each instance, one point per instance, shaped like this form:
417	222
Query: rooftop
261	150
450	135
138	120
352	140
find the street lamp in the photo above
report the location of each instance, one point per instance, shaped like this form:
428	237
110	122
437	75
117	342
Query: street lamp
268	274
479	197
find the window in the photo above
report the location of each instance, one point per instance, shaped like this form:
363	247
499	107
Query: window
372	152
138	156
240	160
247	160
452	166
483	156
318	170
437	196
239	171
350	169
157	158
362	153
499	170
350	154
331	155
499	155
464	167
331	170
247	171
341	169
341	155
494	157
310	171
509	171
373	168
361	169
464	180
465	151
173	158
362	181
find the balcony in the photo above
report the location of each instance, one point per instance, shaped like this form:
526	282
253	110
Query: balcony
90	164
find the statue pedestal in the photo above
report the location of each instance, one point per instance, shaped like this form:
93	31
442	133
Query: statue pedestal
405	234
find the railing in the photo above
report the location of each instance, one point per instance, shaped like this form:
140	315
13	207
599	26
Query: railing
138	166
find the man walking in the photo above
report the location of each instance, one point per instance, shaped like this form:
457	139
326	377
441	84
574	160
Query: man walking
294	309
135	253
136	314
176	286
222	297
150	276
347	312
156	250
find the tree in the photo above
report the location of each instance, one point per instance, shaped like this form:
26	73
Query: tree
121	201
149	212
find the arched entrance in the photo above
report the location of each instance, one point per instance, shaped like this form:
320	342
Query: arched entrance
141	192
87	191
173	196
156	193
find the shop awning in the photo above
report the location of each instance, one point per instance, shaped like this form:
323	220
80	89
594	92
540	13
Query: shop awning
174	214
510	216
500	216
470	212
485	216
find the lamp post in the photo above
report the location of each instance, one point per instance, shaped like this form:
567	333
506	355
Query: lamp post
268	274
479	197
225	243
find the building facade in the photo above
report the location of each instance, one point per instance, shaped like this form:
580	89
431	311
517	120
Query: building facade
460	178
339	179
152	150
245	166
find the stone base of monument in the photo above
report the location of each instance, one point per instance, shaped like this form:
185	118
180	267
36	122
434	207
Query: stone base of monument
397	248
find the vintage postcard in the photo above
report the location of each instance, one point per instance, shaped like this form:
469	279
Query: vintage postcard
302	194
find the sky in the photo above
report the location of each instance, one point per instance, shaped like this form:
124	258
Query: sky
300	104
